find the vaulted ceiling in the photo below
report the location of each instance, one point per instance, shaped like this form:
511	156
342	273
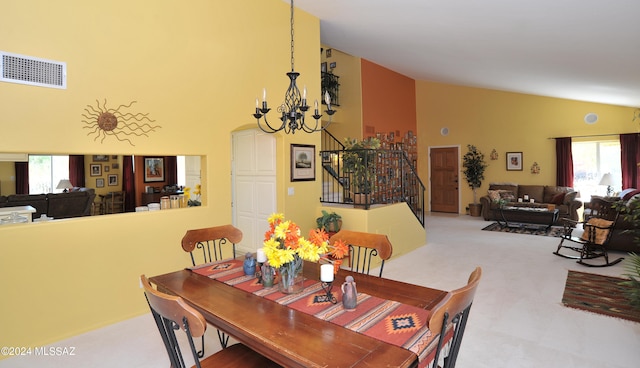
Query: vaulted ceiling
586	50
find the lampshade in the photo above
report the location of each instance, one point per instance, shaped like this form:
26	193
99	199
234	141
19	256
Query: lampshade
64	184
606	179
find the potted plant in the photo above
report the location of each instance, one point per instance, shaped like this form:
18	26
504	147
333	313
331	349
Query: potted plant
358	161
630	212
474	166
330	222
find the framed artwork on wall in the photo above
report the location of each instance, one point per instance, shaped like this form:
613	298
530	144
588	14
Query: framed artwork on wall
100	158
514	161
153	169
113	179
99	183
303	162
96	170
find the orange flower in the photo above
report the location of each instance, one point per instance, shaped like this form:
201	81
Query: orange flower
340	249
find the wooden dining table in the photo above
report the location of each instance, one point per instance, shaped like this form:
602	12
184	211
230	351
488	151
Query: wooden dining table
293	338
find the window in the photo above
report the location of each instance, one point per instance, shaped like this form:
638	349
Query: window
593	159
45	171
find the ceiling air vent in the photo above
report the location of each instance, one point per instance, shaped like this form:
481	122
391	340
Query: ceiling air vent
34	71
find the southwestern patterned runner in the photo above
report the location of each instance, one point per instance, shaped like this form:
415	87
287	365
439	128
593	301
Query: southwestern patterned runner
598	294
390	321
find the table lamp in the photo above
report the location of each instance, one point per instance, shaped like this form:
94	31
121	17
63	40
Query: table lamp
64	184
608	181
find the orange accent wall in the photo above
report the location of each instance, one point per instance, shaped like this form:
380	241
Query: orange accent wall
388	101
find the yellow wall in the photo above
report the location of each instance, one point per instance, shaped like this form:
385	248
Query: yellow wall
7	178
196	70
347	122
506	122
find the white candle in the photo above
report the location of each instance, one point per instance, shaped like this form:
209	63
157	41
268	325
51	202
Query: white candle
304	92
264	94
257	103
327	98
326	273
261	257
316	105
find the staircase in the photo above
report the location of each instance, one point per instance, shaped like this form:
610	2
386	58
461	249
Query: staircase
396	178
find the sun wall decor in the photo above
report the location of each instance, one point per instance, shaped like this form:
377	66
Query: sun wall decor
116	122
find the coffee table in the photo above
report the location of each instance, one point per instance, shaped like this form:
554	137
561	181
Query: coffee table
527	217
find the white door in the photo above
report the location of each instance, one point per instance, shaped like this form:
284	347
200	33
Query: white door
254	185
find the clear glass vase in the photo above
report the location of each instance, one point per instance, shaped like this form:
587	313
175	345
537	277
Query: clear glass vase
291	276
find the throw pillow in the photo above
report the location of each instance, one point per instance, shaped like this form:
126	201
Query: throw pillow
507	195
569	197
593	228
494	195
558	198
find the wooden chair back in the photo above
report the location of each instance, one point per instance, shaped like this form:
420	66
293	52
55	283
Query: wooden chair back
172	313
210	241
114	202
363	247
454	309
601	208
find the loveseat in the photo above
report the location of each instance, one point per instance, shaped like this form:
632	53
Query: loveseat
564	199
622	239
76	203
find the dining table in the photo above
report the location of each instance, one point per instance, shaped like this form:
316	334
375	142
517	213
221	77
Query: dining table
293	337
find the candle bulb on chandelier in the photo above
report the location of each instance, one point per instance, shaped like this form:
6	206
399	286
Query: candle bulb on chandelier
315	105
264	95
327	99
304	93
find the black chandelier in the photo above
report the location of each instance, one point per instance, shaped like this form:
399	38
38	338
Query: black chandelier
295	106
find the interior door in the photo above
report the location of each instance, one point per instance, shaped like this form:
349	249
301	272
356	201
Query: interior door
254	185
444	179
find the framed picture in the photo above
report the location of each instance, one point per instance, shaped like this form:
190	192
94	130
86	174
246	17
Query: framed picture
106	168
323	67
99	183
514	161
303	162
113	179
96	170
153	169
100	158
326	157
115	165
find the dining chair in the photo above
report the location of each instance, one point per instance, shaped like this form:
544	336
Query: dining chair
598	225
453	309
210	241
364	248
114	202
207	244
172	313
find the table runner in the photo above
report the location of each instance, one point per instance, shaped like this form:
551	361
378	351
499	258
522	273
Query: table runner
386	320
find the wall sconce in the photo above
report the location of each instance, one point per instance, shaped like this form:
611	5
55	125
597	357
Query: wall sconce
494	155
535	168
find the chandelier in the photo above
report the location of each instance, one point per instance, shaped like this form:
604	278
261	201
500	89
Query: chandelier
295	106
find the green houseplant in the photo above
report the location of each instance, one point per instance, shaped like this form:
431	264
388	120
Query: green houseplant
358	161
331	222
474	166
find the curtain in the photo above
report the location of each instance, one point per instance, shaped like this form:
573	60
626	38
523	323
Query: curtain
128	184
564	162
22	177
630	158
76	170
171	167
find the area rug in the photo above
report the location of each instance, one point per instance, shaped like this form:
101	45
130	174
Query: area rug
553	231
598	294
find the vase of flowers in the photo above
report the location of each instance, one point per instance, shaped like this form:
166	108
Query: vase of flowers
286	251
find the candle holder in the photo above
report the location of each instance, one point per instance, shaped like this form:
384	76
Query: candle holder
328	297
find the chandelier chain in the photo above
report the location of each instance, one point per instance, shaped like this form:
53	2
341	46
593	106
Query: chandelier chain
292	35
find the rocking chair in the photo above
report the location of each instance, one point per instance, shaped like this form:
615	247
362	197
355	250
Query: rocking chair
594	241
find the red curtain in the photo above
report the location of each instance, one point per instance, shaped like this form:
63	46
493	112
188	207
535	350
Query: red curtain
76	170
630	158
128	184
22	177
564	162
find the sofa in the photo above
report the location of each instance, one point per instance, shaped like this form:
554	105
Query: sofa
563	198
76	203
622	238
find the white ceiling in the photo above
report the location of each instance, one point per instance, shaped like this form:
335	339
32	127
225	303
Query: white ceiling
586	50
